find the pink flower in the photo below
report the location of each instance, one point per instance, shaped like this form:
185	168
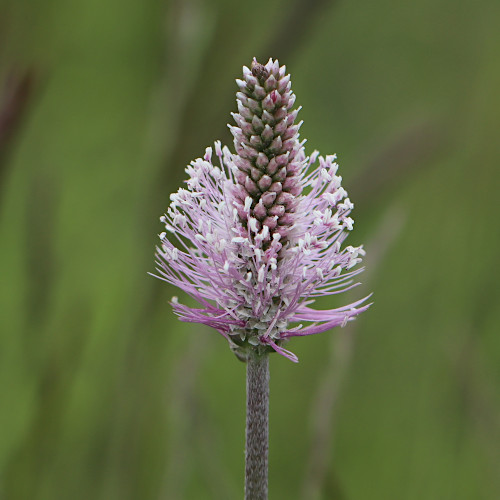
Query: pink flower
257	235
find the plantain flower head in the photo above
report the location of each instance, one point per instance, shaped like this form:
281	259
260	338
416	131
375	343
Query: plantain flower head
257	234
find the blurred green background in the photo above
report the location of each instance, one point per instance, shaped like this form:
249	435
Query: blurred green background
103	393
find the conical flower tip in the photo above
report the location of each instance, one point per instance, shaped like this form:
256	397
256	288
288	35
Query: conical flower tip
269	157
246	242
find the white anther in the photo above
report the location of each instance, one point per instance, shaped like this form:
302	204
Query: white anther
341	193
248	204
264	233
325	175
314	157
330	198
348	204
179	220
260	276
216	173
252	222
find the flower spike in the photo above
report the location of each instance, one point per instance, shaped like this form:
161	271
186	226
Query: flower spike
246	242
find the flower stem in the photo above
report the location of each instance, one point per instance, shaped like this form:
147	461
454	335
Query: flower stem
257	429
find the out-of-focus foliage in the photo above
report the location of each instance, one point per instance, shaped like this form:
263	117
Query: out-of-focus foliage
103	393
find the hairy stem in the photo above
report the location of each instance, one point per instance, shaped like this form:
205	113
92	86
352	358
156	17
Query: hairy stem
257	428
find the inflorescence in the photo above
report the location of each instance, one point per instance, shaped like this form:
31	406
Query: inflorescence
255	239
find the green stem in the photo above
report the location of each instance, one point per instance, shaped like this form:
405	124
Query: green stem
257	427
